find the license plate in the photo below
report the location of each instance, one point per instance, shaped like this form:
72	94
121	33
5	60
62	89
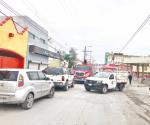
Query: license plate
90	84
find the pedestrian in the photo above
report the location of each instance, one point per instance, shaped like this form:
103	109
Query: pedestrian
130	78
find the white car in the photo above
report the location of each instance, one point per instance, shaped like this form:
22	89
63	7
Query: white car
102	81
60	76
23	86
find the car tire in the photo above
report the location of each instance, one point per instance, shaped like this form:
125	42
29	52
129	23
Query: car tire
28	103
66	87
104	89
87	89
51	93
72	85
121	87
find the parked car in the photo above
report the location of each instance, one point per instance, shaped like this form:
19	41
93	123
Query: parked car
60	76
23	86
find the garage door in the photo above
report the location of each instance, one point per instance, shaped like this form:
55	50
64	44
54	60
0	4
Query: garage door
33	66
10	62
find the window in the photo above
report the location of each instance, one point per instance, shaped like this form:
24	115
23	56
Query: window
33	75
102	75
82	67
42	40
53	71
8	75
111	76
41	76
31	35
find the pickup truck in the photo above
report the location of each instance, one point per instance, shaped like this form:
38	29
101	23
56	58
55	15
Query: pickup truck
103	81
60	76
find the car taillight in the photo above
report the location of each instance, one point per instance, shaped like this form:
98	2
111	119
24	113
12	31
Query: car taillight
20	81
62	78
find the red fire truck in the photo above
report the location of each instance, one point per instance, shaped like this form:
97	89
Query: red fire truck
82	71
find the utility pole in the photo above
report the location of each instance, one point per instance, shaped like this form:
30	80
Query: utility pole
87	53
84	54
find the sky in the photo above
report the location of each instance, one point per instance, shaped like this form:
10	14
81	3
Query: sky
101	25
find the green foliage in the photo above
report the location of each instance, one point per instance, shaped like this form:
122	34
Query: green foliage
71	57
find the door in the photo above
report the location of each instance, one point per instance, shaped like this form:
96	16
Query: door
11	62
45	83
35	82
112	83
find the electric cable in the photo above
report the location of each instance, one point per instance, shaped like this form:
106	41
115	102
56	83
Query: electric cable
135	33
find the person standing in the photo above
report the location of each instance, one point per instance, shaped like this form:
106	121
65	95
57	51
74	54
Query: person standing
130	78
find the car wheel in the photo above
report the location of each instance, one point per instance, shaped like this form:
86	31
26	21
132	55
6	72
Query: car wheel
72	85
51	93
104	89
28	102
87	89
121	87
66	87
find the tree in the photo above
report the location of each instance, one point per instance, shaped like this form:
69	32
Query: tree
71	57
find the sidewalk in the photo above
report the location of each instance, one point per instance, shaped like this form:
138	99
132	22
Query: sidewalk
140	95
139	90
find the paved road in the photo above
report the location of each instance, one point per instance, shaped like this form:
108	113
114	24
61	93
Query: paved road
76	107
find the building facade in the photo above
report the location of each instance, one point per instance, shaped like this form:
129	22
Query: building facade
140	65
13	44
37	51
25	47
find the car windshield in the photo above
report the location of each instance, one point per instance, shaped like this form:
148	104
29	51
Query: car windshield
102	75
54	71
8	75
82	67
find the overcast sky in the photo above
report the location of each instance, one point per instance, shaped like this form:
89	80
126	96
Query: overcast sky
106	25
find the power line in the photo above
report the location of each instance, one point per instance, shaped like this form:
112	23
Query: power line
135	33
18	14
4	4
28	31
8	7
43	20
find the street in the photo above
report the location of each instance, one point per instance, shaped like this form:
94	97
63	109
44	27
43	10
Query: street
77	107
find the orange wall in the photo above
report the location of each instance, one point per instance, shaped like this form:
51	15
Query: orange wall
18	43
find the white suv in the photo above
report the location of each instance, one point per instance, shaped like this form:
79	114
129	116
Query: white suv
23	86
60	76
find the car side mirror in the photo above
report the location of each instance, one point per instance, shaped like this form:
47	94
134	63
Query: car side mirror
46	78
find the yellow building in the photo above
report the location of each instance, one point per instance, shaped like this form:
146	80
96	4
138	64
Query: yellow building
13	45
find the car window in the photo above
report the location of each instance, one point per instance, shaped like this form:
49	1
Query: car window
65	72
111	76
102	75
41	76
8	75
53	71
33	75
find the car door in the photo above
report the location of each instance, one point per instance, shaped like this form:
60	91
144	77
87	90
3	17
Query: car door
35	83
112	80
45	83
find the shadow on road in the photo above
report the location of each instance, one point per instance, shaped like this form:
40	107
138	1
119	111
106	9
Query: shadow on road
109	92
